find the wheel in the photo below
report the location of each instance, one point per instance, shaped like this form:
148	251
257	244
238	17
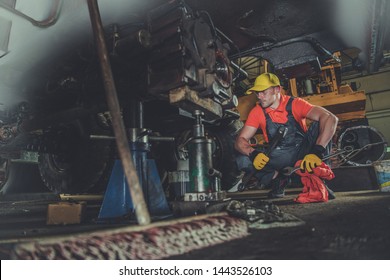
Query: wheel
364	143
224	156
21	177
4	172
81	163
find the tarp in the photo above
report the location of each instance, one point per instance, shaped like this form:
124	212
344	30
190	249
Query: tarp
314	189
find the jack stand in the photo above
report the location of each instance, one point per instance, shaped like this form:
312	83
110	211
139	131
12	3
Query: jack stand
204	179
117	202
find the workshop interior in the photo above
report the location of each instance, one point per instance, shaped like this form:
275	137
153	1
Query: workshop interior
118	120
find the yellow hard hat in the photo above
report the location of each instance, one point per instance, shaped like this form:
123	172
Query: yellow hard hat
264	81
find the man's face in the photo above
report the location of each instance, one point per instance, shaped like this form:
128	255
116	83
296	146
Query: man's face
267	97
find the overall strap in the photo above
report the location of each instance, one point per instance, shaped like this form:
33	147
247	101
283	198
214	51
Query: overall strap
291	115
288	109
289	106
294	131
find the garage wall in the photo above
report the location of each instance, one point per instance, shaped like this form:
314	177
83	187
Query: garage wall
377	88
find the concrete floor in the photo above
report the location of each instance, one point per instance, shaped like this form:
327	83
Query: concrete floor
356	225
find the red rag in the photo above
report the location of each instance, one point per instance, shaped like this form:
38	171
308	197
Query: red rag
314	189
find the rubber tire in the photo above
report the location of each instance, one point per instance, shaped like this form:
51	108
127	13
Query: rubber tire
224	160
22	178
4	172
83	169
376	153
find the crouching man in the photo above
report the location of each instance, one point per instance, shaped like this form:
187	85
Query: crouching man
273	110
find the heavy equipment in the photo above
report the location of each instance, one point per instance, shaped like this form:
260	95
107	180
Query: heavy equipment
169	60
165	68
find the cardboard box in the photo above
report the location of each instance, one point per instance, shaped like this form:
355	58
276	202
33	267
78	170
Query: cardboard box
65	213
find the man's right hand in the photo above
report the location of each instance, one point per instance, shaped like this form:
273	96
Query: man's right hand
259	159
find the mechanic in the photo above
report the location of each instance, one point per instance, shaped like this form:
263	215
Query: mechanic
275	109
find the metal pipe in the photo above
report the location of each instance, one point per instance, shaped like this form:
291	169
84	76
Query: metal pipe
49	21
102	137
150	138
161	138
133	114
141	114
140	207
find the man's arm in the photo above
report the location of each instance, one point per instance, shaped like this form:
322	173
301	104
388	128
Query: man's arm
328	124
242	141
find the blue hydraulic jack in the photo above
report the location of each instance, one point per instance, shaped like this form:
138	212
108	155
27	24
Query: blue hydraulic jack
117	202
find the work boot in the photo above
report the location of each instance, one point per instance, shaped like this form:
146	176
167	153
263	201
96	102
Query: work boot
252	183
250	179
278	185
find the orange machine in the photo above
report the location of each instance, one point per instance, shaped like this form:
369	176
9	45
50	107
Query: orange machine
327	91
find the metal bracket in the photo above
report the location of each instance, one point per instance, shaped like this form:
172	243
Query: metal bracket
49	21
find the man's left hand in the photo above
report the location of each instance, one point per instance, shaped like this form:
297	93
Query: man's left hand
312	160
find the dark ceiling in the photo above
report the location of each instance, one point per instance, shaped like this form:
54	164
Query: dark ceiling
250	21
357	24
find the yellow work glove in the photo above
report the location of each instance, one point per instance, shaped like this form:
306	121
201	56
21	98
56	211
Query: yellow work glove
259	160
312	160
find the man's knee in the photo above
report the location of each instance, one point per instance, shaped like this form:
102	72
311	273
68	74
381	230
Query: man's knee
244	163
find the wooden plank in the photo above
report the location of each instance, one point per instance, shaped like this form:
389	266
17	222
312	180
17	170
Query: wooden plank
351	116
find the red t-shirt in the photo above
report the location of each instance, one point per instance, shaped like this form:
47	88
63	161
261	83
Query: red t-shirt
300	108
